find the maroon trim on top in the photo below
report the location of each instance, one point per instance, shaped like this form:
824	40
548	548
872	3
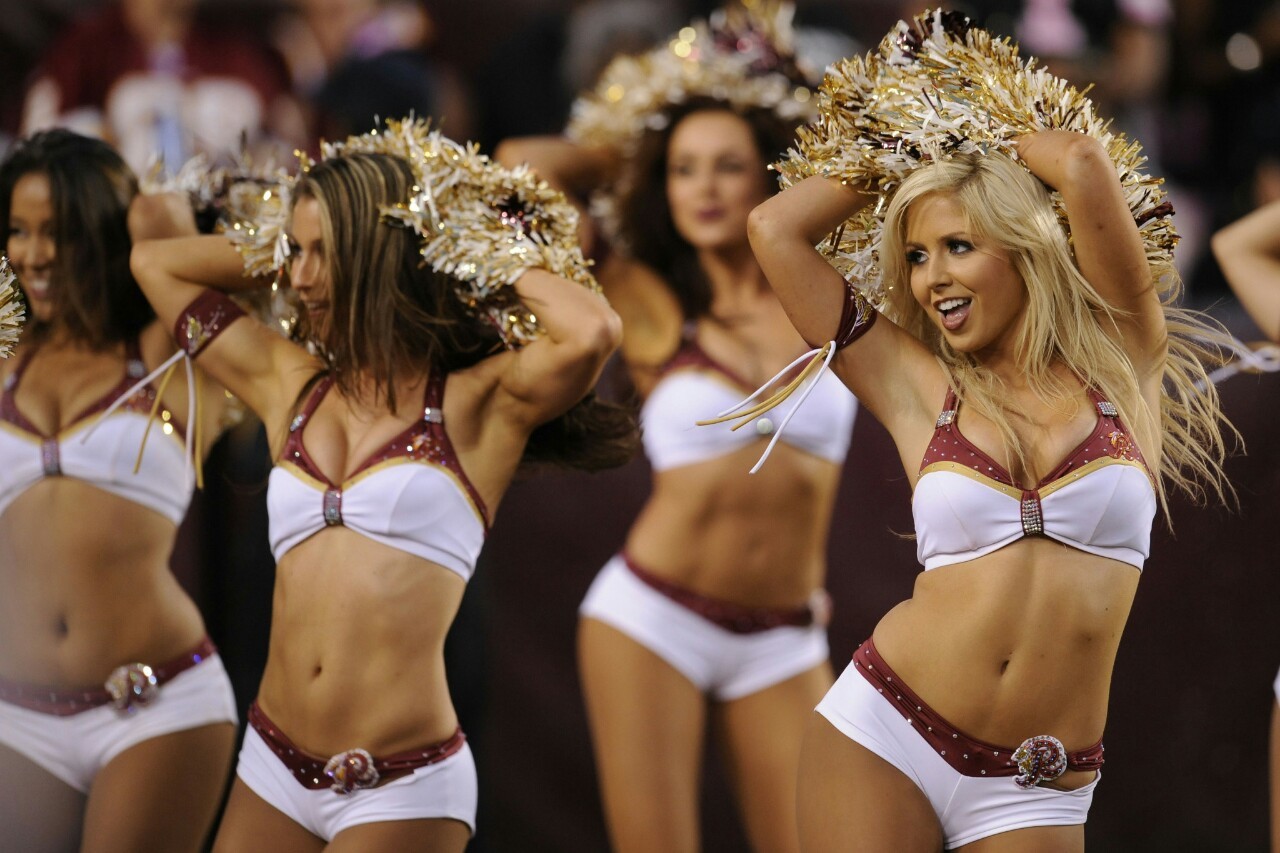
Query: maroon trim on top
309	770
736	618
1108	438
64	702
691	354
425	438
966	755
141	401
204	318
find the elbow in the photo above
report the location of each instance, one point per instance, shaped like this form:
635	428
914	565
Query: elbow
764	223
1087	162
143	261
597	334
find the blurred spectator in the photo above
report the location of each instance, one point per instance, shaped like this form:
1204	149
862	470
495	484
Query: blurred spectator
143	75
357	60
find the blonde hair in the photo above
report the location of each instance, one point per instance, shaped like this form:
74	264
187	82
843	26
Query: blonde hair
1066	321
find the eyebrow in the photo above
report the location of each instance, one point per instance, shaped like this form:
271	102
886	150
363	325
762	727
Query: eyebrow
953	235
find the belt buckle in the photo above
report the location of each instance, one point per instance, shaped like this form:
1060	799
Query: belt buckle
132	686
1042	758
351	770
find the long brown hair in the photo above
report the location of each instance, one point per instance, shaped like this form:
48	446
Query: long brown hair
94	294
391	312
644	214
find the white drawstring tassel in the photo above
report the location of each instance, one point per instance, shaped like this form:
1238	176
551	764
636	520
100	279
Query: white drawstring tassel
808	378
162	370
127	395
1265	359
192	427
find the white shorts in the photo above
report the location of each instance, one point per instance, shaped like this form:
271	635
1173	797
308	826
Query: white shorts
720	663
968	807
1277	687
74	748
446	789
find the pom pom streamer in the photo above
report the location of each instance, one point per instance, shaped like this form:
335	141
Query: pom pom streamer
479	223
743	56
938	86
12	309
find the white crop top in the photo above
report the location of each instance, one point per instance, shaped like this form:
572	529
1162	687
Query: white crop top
1101	499
693	387
412	495
105	457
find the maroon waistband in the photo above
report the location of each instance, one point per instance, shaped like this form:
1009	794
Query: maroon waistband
129	687
736	617
348	770
966	755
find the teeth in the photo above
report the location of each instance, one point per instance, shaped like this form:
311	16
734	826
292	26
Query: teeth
948	304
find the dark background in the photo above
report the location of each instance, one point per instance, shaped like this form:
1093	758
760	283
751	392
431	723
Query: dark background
1191	701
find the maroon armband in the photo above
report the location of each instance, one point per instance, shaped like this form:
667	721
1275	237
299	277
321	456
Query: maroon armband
856	317
208	315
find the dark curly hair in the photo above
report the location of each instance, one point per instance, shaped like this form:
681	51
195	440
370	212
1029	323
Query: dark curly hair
389	310
645	216
94	294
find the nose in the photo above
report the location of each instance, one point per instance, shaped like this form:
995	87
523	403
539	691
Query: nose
302	272
937	272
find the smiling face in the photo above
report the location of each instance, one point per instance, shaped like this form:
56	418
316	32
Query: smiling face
31	245
309	266
966	283
715	177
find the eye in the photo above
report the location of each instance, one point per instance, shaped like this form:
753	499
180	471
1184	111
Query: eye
915	257
680	169
732	167
959	247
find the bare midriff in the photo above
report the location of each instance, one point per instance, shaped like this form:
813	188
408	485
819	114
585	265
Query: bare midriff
758	540
1017	643
357	646
87	586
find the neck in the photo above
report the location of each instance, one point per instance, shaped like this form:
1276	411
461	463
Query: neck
735	278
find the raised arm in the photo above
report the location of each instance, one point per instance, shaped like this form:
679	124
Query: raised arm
891	372
1108	248
1248	251
549	375
254	363
650	312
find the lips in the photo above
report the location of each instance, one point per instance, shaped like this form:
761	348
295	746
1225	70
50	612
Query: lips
954	312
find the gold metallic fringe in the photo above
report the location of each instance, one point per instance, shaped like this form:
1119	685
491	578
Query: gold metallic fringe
479	223
12	309
938	86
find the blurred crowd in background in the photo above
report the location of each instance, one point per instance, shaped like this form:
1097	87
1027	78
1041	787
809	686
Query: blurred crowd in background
1197	82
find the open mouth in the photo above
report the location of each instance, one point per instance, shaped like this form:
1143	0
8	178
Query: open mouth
954	312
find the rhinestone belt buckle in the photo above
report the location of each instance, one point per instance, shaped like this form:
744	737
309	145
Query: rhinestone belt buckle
132	686
1042	758
350	770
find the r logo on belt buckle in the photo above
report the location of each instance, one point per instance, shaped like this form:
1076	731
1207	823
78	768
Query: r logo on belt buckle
132	686
350	770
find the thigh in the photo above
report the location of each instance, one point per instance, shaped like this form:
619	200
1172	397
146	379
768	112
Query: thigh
161	794
38	811
851	800
428	836
760	738
252	825
646	727
1037	839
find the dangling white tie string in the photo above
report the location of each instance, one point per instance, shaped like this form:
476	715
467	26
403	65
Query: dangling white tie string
192	426
821	357
127	395
1265	359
